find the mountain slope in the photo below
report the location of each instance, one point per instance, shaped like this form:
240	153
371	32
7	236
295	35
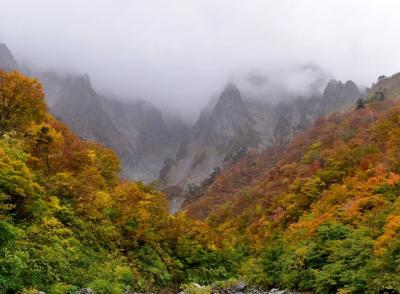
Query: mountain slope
324	212
319	213
68	222
137	131
234	127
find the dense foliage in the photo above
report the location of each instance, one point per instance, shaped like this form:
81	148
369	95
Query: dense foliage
67	221
324	213
321	214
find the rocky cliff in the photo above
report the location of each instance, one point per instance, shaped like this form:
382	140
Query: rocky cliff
7	61
136	130
236	125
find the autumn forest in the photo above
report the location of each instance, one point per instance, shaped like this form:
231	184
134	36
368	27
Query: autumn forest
199	147
321	214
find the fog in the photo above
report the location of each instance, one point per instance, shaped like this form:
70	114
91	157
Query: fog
178	53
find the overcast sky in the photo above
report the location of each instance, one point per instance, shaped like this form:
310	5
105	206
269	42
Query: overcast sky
180	52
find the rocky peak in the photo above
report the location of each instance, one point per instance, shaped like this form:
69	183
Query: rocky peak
351	90
332	88
336	89
229	118
230	100
7	61
80	107
80	84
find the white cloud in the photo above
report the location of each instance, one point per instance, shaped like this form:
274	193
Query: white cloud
179	52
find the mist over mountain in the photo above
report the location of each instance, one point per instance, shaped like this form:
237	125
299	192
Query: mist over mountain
199	147
179	54
253	111
236	126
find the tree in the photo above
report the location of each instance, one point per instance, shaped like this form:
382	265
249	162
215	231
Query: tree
382	77
43	144
360	103
21	101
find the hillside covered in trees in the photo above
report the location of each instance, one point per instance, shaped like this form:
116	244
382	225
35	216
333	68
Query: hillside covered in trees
67	221
321	214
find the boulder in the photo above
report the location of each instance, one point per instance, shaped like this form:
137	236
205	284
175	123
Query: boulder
85	291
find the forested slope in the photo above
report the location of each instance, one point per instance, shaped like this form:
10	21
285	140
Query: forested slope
320	214
67	221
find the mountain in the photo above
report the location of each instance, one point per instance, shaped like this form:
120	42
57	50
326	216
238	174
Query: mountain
155	147
227	128
318	210
69	224
136	130
320	213
235	126
323	208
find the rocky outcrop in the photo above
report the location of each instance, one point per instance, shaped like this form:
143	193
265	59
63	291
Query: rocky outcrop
152	138
85	291
229	120
7	61
337	94
222	132
80	107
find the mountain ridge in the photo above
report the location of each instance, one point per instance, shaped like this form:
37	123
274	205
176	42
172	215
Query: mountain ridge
242	126
185	158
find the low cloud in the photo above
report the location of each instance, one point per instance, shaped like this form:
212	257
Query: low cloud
178	53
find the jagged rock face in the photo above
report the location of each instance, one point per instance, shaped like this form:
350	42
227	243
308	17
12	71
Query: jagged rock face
7	62
79	106
235	125
54	84
135	130
229	118
221	133
337	94
152	139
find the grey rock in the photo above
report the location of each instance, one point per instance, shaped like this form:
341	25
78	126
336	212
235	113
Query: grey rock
85	291
7	61
277	291
239	287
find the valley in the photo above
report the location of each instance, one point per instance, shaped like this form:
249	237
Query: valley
286	181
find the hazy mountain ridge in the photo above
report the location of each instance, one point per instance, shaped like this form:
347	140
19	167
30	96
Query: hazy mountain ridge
153	147
237	125
136	130
317	211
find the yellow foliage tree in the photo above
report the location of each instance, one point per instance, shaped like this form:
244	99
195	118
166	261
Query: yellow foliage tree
21	101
